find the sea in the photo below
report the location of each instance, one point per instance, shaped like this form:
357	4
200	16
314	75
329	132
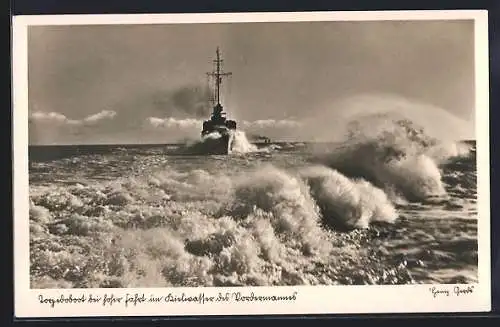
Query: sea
391	207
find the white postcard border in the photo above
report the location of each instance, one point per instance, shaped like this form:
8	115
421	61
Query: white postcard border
307	299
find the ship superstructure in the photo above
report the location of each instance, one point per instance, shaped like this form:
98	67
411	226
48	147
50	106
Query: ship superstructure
218	123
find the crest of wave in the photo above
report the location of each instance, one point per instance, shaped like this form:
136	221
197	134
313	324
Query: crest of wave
396	154
347	203
285	201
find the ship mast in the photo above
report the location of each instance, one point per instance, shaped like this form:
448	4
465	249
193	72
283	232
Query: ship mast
218	74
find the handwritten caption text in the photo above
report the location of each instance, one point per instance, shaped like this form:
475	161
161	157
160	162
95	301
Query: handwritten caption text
135	299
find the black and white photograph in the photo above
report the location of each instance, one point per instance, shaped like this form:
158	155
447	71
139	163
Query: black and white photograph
254	154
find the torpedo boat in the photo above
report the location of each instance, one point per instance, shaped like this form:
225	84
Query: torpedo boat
218	131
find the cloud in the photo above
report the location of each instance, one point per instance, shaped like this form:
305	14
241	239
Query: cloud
56	128
105	114
190	123
271	123
60	119
174	122
179	128
53	117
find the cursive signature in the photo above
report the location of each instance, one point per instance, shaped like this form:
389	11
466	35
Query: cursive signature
458	291
439	292
451	291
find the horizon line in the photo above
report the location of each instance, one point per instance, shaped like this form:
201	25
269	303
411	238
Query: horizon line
184	143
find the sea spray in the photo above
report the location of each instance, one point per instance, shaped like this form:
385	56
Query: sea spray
346	203
287	203
395	155
331	123
238	144
241	144
446	151
418	178
217	222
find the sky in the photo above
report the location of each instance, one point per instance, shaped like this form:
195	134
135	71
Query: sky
291	81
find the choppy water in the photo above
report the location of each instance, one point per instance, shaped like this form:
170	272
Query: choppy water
282	215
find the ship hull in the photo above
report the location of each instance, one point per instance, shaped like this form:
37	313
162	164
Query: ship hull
218	146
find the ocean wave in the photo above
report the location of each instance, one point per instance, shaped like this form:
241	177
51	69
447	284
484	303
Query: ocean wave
180	228
395	155
266	225
347	203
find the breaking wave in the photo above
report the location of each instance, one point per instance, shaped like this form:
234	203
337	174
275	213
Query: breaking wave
265	225
241	144
187	224
346	203
395	155
238	143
